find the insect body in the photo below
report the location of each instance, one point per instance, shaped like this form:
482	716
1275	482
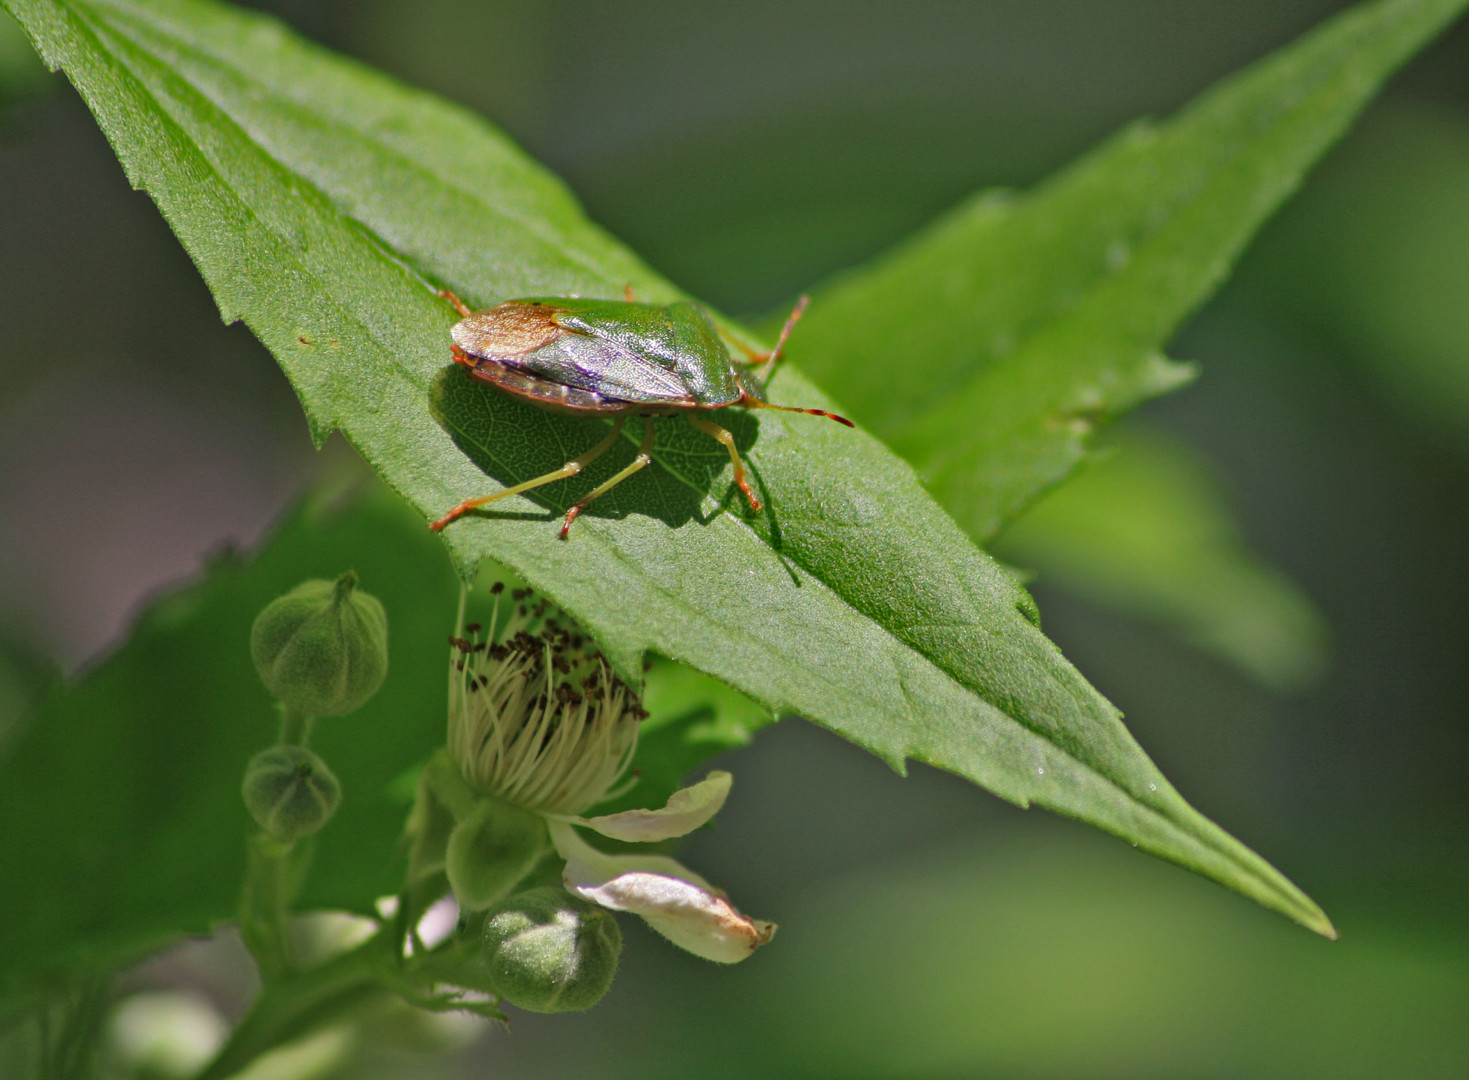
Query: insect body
617	358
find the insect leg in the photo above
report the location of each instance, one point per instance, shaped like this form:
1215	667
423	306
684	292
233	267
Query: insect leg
459	305
773	355
715	431
645	455
571	468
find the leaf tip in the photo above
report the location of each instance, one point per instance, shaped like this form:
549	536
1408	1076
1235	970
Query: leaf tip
1319	923
1304	911
320	428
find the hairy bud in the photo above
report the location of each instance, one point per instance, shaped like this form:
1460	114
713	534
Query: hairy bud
547	951
290	792
322	648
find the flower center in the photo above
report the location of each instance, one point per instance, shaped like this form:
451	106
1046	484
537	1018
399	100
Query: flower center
536	715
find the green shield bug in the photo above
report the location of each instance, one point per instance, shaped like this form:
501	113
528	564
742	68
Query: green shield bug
615	358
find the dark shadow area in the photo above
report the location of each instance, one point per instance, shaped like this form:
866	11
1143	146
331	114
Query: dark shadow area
512	442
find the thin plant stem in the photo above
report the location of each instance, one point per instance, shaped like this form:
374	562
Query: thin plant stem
273	872
295	726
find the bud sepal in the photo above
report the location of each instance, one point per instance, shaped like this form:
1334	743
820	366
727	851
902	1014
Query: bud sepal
492	850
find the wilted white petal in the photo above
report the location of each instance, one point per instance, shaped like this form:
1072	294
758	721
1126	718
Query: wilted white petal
687	809
669	897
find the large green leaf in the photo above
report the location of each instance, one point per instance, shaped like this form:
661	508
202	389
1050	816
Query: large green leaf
324	203
987	349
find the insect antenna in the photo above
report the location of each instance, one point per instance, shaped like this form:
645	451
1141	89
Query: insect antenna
791	408
773	356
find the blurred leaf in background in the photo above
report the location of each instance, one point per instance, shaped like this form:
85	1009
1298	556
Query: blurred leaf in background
128	779
24	676
987	349
972	960
1147	530
1377	257
21	70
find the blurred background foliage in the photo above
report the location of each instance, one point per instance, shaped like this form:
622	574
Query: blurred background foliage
746	150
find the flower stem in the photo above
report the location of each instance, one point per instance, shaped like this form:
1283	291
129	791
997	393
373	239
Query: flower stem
302	1002
295	726
273	872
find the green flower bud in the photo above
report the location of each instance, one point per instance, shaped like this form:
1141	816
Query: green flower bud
491	850
290	791
548	951
323	647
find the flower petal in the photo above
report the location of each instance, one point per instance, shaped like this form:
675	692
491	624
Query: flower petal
669	897
687	809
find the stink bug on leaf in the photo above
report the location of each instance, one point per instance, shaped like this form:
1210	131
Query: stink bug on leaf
615	358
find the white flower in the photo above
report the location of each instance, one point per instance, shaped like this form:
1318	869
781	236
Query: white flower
538	719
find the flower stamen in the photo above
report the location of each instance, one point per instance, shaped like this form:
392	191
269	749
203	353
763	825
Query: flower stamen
537	716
